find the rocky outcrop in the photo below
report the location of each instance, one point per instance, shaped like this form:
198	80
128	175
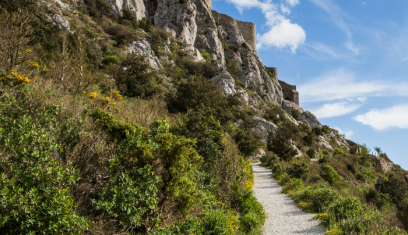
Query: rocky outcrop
177	19
325	145
263	127
143	48
136	6
291	119
61	5
385	166
406	178
306	116
257	157
62	22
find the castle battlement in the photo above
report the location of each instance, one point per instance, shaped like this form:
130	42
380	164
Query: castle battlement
247	29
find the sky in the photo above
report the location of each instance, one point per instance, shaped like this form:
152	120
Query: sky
348	59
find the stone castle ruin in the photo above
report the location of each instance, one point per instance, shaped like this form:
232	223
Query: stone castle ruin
289	91
247	29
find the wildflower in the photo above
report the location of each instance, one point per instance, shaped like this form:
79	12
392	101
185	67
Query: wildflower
29	51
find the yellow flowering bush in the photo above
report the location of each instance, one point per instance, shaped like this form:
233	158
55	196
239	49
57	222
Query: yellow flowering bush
249	183
13	77
96	99
333	232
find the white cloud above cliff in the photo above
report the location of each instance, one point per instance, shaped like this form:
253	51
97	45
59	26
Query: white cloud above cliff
282	32
381	120
343	84
339	108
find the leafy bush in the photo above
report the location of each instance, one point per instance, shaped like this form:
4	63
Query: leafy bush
296	114
248	143
137	79
351	168
379	199
293	184
219	222
317	131
97	8
197	92
311	153
110	59
278	169
205	55
320	195
254	216
330	175
233	68
299	171
279	144
34	187
200	69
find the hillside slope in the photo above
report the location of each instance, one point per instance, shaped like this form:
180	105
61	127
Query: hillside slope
142	117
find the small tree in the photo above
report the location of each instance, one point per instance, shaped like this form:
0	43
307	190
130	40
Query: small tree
279	144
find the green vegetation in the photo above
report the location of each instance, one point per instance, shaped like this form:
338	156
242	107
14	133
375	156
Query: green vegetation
93	140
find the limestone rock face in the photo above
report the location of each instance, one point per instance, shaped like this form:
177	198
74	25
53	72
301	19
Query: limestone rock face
263	127
137	6
62	22
325	145
61	4
291	119
386	166
306	116
177	19
143	48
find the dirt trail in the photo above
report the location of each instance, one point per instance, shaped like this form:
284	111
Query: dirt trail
284	217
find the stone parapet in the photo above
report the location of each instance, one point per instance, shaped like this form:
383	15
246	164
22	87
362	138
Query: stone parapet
247	29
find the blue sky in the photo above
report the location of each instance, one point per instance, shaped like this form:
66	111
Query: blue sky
348	58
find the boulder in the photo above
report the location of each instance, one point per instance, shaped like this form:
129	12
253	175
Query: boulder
324	144
142	47
136	6
62	22
385	166
307	117
61	5
291	119
263	126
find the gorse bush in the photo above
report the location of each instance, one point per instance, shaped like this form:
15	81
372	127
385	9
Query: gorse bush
330	175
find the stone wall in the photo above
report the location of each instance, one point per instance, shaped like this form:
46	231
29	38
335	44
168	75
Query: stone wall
289	92
247	29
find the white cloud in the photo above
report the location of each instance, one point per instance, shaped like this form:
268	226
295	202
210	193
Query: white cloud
342	84
292	2
348	133
284	9
394	117
364	4
337	16
339	108
282	33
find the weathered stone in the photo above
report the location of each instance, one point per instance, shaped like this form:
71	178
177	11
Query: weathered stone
62	22
406	178
136	6
61	4
177	19
142	47
310	119
385	166
325	145
193	53
291	119
263	127
243	94
254	101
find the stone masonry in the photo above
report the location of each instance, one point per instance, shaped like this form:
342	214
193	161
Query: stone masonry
289	91
247	29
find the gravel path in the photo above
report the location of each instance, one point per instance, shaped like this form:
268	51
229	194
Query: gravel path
283	215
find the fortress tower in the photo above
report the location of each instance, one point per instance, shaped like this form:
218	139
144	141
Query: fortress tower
247	29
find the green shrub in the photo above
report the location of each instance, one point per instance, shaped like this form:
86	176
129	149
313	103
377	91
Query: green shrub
205	54
351	168
317	131
274	114
348	215
97	8
248	142
296	114
244	45
233	68
110	59
233	48
339	151
379	199
278	169
330	175
311	153
293	184
137	79
197	92
200	69
34	187
218	222
279	144
320	195
299	171
254	216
